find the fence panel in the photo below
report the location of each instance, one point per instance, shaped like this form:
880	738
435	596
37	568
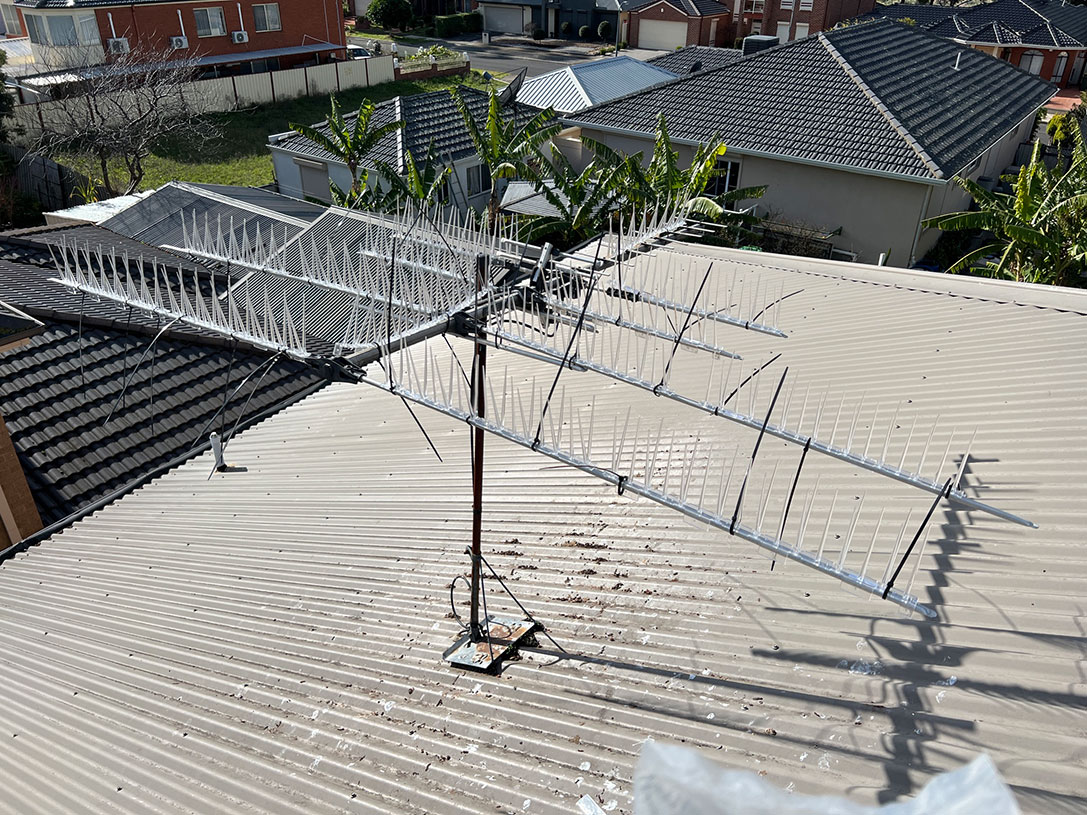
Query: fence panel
289	84
321	80
54	185
353	74
381	70
253	89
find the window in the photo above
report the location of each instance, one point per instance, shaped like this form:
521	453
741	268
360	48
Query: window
786	4
1031	62
266	17
727	178
801	31
479	179
11	20
88	29
209	22
35	29
61	30
805	5
1058	68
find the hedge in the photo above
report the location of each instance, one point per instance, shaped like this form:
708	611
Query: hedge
450	25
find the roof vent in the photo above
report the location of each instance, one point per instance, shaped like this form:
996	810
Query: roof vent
758	42
695	66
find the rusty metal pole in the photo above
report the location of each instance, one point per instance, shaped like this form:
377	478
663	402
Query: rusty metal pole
479	368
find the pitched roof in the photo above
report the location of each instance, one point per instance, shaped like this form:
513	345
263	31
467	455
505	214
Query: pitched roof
692	8
1041	23
57	390
576	87
881	98
432	121
158	218
705	57
270	640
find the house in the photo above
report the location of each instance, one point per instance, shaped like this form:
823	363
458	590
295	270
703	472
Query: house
432	125
270	640
665	25
225	39
859	133
693	58
1047	38
795	19
526	16
576	87
82	417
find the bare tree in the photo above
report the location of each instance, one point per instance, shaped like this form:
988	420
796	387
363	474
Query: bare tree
116	113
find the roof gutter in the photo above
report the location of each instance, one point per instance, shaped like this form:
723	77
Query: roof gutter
765	154
140	481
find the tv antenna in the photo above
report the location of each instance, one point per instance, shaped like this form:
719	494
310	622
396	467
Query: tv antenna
374	295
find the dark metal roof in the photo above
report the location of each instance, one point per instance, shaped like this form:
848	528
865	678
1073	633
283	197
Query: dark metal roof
1040	23
157	219
879	98
57	389
432	121
680	62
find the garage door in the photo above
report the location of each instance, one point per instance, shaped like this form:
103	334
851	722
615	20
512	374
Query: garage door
504	20
661	36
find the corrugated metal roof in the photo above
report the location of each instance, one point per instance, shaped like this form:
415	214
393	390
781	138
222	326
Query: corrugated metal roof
269	640
577	87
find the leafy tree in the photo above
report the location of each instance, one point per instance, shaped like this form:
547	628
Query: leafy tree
390	13
506	143
418	184
603	31
1060	129
583	200
1039	230
350	142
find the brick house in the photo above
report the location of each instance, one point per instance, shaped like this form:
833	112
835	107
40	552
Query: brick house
227	38
1047	38
669	24
795	19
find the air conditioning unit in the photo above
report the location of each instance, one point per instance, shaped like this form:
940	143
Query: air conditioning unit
118	45
177	43
239	37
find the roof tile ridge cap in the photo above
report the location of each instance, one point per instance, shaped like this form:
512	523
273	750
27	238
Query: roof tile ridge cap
226	199
899	128
1029	6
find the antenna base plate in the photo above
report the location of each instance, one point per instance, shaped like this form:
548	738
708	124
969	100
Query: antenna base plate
486	654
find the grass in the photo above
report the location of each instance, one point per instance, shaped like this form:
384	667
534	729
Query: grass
240	156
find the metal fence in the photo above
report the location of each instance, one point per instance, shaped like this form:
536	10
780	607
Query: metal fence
53	185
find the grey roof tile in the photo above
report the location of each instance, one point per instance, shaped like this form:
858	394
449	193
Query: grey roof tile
1043	23
803	101
707	58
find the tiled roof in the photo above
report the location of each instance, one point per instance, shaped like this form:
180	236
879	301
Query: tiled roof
692	8
680	62
577	87
881	97
432	122
56	391
270	641
1042	23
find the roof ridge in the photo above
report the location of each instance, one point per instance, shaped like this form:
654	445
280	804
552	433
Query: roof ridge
899	128
398	116
578	86
1029	6
226	199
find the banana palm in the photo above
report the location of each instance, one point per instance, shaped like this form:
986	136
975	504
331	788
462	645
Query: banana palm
351	143
505	144
1039	230
419	184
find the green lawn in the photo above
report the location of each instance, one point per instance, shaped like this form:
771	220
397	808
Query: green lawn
240	156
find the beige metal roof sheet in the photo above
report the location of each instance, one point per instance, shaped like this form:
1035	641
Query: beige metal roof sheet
270	640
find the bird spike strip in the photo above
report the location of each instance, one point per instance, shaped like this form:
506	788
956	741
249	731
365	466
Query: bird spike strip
732	393
679	472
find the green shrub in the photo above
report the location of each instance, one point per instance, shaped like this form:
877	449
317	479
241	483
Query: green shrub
449	25
603	31
567	28
390	13
538	34
473	22
584	32
439	52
